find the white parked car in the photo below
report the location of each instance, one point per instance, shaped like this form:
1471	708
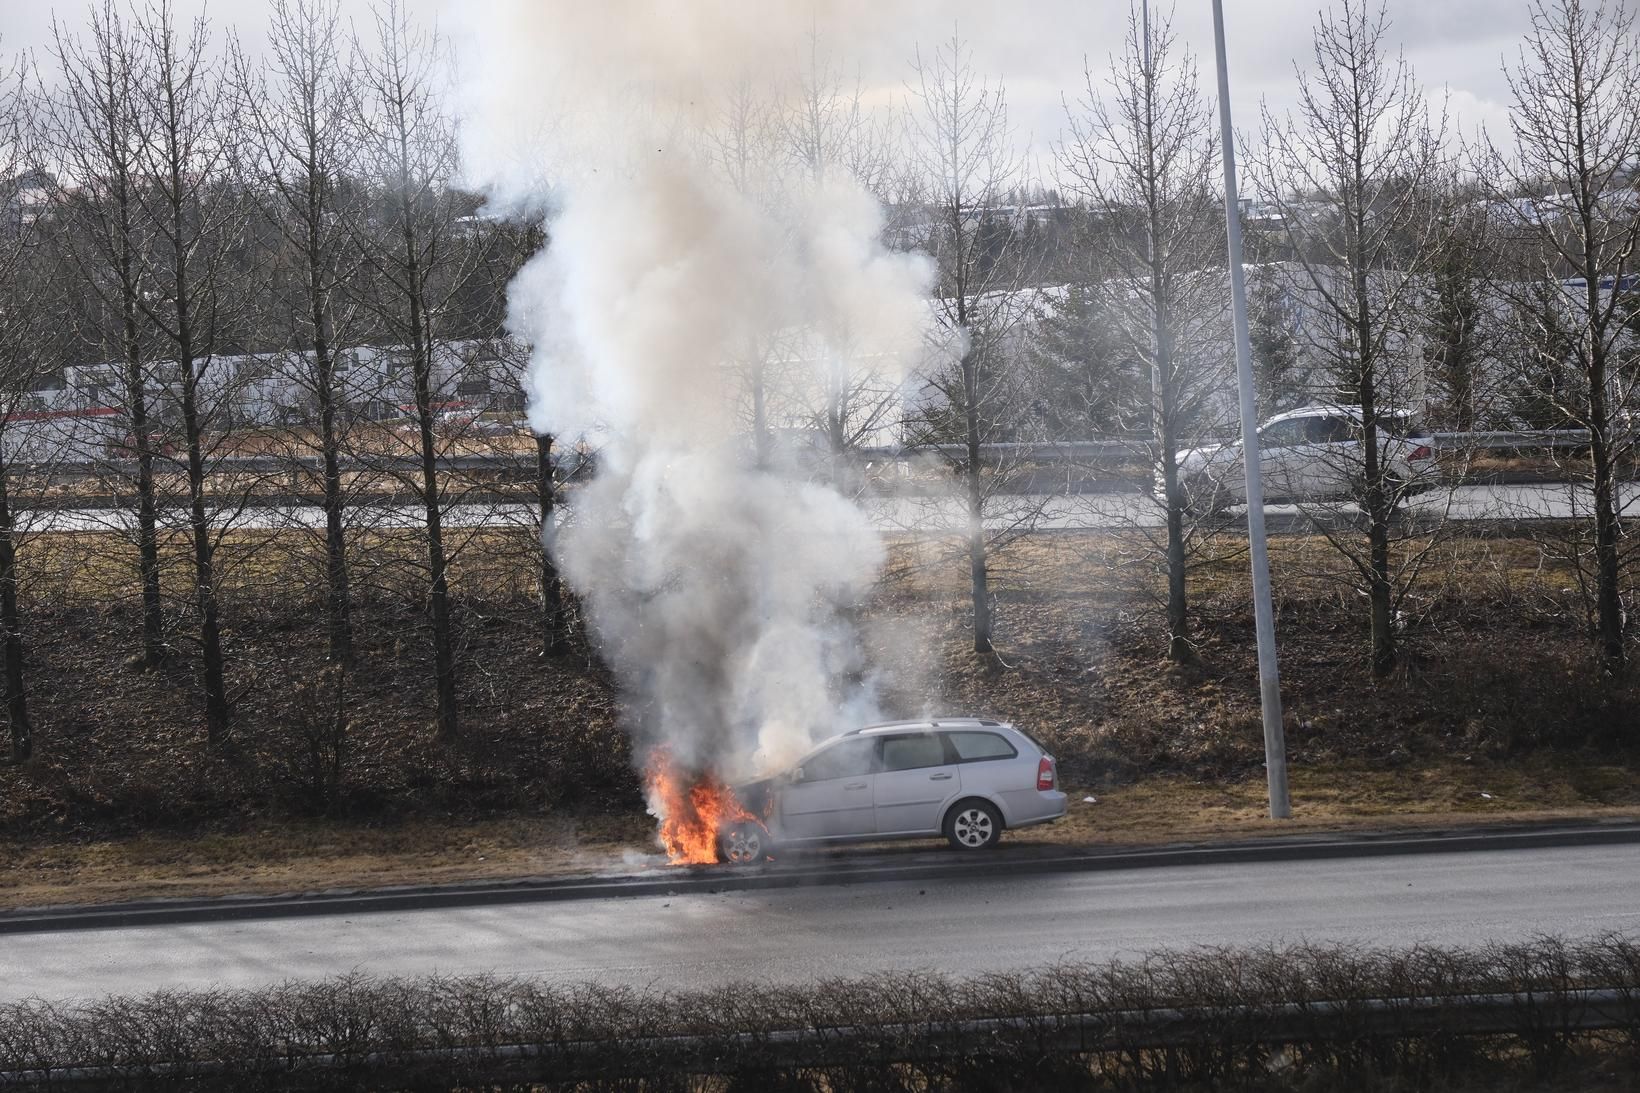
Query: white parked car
966	778
1312	454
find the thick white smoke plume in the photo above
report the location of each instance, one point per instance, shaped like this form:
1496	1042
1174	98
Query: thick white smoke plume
719	582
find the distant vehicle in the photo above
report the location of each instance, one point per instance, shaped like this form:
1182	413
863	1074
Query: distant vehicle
968	779
469	423
1313	454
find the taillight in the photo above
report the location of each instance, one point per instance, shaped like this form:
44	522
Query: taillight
1422	451
1044	773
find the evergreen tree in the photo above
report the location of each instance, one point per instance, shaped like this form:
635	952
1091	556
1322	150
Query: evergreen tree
1278	380
1088	383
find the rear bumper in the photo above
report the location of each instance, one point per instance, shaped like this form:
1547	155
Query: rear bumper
1037	806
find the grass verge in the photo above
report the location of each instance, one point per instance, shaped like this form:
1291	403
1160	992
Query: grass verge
316	855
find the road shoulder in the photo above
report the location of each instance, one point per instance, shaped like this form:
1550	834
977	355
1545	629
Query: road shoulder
825	868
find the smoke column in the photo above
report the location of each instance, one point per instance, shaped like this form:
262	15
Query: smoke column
718	586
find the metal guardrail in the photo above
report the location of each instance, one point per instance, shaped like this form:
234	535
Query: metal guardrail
288	464
1526	1014
1505	441
1072	451
1063	451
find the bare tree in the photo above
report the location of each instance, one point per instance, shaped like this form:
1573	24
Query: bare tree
194	210
1576	129
1144	157
828	126
1460	334
964	163
408	149
1352	175
830	133
23	292
741	144
296	158
92	142
1281	372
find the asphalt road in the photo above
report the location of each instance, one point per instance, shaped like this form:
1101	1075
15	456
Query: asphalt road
1049	512
960	926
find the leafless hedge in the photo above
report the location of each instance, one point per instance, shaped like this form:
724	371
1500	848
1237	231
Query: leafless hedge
1275	1018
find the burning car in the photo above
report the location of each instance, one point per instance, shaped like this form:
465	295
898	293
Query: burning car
968	779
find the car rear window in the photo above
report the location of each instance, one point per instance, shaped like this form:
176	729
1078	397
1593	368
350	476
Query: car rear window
973	746
1027	734
910	752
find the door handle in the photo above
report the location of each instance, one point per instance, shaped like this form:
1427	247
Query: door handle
854	785
939	777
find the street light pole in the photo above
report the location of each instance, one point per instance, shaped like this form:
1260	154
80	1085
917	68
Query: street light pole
1269	680
1158	399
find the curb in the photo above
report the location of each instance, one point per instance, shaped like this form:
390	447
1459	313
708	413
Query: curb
876	868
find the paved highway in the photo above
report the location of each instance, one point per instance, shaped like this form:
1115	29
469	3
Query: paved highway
1054	512
960	926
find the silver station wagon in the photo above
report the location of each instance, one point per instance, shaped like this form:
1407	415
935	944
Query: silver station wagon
966	778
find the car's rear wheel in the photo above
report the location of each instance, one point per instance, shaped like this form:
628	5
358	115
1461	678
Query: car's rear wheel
973	825
744	842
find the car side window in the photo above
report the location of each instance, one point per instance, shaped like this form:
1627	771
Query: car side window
974	746
845	759
922	749
1283	434
1329	430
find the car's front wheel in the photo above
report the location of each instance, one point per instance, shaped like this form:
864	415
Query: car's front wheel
973	825
744	842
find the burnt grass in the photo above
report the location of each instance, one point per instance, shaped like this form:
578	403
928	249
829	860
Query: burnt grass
120	749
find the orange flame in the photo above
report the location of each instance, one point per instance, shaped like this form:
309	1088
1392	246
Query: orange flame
693	809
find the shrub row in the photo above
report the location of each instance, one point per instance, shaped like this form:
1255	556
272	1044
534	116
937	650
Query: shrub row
1278	1018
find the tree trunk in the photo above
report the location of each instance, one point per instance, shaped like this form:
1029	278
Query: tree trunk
1380	592
1179	649
761	447
217	714
338	600
11	633
976	509
836	422
552	590
1378	501
444	659
1608	531
153	619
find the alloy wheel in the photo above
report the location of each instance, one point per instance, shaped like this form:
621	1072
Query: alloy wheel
742	845
973	827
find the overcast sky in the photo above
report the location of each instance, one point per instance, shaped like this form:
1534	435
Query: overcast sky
1038	46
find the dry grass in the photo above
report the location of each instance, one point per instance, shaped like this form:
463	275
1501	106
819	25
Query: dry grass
316	855
1495	715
